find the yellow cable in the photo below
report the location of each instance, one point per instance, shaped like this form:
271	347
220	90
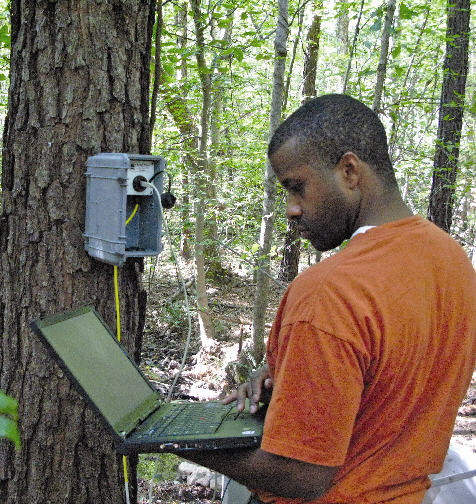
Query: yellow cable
118	312
132	214
118	329
126	478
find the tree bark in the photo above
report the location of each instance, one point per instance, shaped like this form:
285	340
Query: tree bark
79	85
382	64
310	60
455	69
269	203
342	28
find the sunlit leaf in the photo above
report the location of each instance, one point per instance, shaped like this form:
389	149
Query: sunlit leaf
8	405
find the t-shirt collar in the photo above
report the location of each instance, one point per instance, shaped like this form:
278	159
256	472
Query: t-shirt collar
361	229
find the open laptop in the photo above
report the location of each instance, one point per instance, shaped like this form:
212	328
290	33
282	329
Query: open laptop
138	418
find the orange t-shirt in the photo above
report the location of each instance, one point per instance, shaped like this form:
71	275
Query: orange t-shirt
371	352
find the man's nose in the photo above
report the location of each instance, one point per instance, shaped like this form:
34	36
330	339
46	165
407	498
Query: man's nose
293	209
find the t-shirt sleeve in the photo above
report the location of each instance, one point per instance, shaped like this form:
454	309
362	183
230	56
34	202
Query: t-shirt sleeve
318	383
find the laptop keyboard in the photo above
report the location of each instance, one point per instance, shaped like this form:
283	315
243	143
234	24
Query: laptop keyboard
184	420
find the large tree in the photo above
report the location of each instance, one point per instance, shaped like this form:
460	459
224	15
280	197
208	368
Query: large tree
79	85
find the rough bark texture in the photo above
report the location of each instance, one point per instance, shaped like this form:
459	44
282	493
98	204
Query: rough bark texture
269	202
342	28
79	85
310	59
455	69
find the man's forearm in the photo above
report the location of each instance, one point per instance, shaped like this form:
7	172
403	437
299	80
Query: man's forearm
261	470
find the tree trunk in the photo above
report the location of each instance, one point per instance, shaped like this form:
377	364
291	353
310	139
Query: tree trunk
157	70
352	49
382	64
455	69
205	321
269	203
177	107
310	60
79	85
287	86
343	28
212	248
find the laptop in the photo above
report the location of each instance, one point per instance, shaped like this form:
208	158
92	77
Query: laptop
132	410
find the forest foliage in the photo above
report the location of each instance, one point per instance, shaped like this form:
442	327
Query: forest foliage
238	56
241	64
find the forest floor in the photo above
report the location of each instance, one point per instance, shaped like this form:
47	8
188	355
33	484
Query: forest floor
207	374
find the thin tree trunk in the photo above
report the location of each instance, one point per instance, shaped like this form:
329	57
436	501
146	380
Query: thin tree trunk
310	60
189	137
394	130
157	70
269	203
455	69
212	250
293	57
206	325
382	64
79	85
352	49
343	29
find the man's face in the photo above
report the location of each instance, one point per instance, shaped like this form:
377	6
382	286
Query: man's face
317	200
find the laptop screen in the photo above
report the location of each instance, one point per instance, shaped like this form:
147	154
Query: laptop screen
97	362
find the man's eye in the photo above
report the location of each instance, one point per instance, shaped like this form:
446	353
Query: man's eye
297	188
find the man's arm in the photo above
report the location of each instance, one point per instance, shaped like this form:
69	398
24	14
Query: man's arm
258	469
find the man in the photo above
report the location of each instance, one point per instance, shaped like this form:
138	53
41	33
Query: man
371	350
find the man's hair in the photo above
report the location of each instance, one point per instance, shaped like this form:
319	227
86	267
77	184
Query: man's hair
330	126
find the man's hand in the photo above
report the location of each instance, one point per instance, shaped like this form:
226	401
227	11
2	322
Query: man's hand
259	388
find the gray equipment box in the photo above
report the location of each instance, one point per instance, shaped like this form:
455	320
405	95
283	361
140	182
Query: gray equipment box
111	196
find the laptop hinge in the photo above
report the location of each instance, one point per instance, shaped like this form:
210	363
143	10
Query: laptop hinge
137	415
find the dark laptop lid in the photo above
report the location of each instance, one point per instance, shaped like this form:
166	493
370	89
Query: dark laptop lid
100	367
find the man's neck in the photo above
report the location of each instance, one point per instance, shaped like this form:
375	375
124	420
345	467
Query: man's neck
383	211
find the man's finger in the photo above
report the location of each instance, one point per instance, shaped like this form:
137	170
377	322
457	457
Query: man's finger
243	392
230	397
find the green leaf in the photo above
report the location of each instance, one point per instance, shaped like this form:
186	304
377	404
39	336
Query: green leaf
168	68
406	12
8	424
8	405
396	51
224	23
238	53
255	248
399	70
9	430
377	25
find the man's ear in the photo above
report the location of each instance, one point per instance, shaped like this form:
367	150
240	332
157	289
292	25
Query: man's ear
349	169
